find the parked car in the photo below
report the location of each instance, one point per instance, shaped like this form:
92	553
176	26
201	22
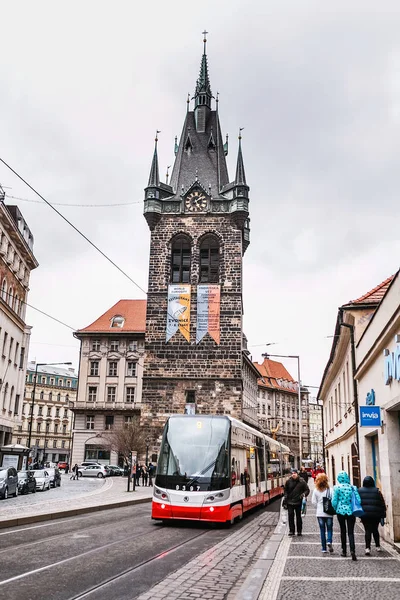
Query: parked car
26	482
94	471
115	470
62	465
88	463
55	477
8	482
42	479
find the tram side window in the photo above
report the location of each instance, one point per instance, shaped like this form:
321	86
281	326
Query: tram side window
269	468
235	472
260	452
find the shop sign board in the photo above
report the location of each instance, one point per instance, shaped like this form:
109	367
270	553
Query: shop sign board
392	362
370	416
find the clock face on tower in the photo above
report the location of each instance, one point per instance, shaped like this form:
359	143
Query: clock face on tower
196	201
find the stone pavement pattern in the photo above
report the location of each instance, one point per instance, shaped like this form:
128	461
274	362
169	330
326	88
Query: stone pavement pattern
215	574
300	570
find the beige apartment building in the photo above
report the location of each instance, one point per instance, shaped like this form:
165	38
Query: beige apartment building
16	263
278	407
110	378
338	390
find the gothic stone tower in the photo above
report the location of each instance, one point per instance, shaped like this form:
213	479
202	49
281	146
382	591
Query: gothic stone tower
199	227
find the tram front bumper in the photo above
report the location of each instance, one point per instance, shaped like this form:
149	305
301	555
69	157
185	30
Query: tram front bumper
217	514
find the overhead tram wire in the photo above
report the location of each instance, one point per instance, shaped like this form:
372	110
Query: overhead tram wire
38	310
76	205
84	237
73	226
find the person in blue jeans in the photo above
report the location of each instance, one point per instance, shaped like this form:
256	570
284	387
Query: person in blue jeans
325	521
342	503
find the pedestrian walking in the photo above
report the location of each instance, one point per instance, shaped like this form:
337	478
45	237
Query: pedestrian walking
150	470
374	508
145	476
67	469
75	472
295	490
304	474
138	474
342	502
325	521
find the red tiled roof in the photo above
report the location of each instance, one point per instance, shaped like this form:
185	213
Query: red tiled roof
271	371
375	295
133	311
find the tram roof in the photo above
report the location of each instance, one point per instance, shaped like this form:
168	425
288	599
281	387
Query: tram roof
237	423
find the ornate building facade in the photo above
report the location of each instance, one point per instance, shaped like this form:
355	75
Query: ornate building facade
195	359
316	442
51	429
110	378
16	263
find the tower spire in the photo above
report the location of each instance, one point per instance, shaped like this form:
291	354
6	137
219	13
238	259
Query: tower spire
154	178
203	94
240	178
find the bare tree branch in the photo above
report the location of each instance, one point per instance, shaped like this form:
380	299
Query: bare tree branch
126	439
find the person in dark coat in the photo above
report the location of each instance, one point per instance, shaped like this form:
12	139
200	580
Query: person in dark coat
374	507
295	490
304	474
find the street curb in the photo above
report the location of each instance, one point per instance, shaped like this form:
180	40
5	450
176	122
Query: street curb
69	513
253	584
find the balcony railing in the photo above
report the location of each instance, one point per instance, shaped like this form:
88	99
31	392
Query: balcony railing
104	405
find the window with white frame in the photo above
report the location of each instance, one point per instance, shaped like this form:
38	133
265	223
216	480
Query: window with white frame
94	368
130	394
89	421
95	345
92	393
114	345
131	368
112	368
132	346
128	419
111	393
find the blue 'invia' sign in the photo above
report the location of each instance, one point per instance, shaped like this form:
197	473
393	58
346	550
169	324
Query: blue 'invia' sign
370	416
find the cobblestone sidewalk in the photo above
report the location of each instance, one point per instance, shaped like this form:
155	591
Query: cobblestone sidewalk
216	573
300	570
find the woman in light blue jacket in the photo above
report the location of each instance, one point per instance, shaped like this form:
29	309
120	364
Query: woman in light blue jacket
342	503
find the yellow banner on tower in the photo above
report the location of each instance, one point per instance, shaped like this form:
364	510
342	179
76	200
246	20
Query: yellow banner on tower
178	311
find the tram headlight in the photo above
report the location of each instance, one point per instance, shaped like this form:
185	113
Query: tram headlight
161	494
216	497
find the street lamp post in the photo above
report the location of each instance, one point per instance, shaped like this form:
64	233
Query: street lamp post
266	355
33	394
147	451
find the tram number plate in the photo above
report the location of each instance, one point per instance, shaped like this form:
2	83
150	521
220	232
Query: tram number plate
185	488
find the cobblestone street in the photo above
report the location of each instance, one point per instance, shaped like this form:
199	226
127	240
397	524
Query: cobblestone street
216	574
300	570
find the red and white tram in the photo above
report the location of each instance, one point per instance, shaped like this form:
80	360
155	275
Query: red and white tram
215	468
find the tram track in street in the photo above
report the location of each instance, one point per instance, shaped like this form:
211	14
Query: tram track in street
131	570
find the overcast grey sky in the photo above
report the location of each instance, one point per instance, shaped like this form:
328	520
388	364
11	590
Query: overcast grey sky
84	86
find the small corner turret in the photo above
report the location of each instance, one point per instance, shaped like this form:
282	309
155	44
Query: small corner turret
155	191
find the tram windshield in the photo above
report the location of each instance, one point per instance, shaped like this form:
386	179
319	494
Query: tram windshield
194	454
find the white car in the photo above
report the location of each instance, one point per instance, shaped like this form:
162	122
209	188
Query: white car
93	471
42	480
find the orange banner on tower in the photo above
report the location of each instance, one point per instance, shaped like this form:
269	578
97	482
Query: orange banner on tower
208	312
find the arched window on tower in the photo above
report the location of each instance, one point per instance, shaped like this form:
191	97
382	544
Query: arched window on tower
209	260
180	260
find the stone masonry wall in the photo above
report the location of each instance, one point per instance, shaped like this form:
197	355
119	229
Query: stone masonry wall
170	369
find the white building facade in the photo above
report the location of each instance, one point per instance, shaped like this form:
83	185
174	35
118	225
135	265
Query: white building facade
110	379
16	263
378	377
47	412
316	443
338	391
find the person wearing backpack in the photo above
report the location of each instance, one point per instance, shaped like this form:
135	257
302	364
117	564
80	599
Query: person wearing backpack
325	520
294	492
374	509
342	502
